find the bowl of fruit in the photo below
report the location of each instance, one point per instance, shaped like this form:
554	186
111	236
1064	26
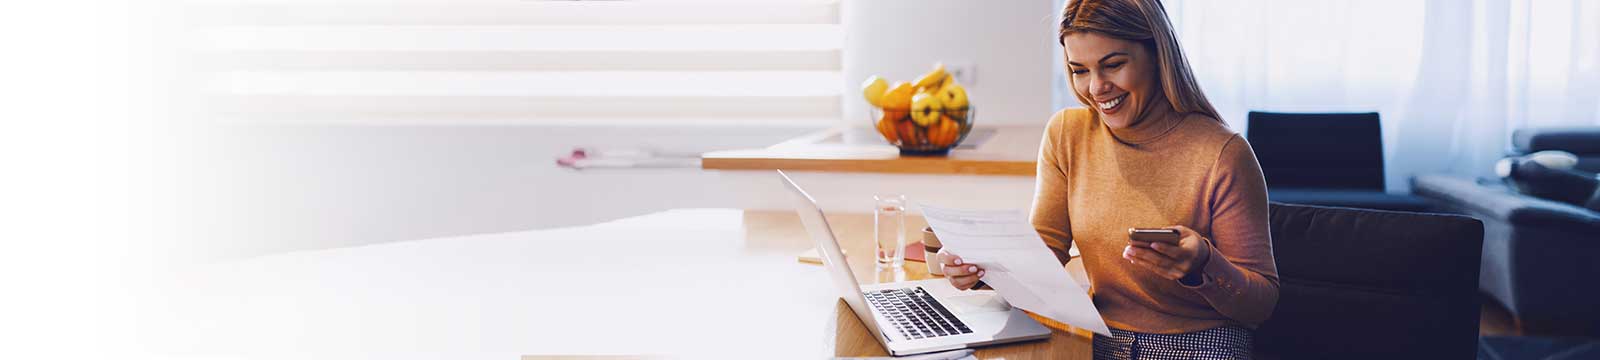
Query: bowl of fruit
928	116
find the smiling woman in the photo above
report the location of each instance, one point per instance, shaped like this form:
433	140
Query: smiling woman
1139	30
1150	152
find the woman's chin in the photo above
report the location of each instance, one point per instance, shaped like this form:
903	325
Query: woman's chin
1115	121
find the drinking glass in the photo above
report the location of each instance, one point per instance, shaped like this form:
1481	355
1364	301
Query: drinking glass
889	230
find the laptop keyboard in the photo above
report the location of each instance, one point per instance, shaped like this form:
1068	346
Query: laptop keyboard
916	313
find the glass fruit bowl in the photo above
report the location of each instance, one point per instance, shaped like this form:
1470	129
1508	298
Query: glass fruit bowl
927	132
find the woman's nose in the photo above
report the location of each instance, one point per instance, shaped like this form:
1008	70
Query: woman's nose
1098	85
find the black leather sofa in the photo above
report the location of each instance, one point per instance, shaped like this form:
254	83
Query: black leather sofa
1369	284
1541	258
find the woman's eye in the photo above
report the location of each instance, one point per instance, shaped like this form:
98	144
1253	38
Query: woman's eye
1079	71
1113	66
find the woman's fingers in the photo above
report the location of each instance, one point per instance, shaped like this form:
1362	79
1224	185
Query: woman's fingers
961	274
949	259
1165	272
954	266
1172	251
965	282
1192	251
1148	255
961	270
1153	260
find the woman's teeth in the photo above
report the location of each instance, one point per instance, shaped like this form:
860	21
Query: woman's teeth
1113	103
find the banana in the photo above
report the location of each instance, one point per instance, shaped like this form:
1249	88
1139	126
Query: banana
873	89
933	79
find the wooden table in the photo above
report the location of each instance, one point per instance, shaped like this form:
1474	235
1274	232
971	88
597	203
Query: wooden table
849	334
685	283
1005	150
845	334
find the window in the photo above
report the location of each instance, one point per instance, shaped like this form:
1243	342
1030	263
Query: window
510	61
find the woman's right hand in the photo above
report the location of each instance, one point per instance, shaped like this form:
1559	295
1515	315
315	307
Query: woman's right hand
962	275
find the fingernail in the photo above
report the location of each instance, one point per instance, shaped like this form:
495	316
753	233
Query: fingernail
972	268
958	261
980	273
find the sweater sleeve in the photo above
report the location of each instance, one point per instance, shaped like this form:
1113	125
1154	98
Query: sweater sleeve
1049	215
1240	279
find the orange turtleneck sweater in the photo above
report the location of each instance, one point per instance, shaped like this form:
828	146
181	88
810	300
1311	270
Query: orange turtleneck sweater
1094	183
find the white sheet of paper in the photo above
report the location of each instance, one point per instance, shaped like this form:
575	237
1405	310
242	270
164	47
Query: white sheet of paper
1016	263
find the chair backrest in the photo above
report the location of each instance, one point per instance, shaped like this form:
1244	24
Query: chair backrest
1318	151
1365	284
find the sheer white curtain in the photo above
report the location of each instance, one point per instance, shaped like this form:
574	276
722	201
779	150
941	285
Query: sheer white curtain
1451	79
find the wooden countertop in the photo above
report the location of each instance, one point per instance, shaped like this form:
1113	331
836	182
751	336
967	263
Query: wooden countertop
1001	150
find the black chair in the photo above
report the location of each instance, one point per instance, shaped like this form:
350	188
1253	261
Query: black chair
1330	159
1367	284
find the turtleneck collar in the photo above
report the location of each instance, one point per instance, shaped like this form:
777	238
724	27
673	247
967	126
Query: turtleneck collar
1157	123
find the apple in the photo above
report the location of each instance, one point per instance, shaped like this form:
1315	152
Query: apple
926	109
954	98
873	90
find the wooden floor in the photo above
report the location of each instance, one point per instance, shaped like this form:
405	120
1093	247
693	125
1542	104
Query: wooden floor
1495	320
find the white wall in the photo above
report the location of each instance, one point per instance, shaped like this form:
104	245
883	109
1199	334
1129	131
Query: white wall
1008	42
258	189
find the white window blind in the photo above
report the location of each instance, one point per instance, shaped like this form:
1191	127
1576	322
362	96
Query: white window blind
522	61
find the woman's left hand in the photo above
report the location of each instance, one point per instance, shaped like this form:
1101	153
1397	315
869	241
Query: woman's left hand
1168	260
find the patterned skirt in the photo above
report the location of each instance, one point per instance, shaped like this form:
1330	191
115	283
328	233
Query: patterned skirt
1223	343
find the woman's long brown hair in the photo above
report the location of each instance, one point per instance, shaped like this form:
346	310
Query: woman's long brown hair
1145	22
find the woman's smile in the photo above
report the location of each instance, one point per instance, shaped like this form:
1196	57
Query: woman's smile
1112	105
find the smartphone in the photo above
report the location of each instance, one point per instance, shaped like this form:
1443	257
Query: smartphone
1169	236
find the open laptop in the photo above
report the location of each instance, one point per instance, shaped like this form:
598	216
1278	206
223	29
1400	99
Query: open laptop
915	317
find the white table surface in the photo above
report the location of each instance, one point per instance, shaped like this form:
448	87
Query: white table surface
654	284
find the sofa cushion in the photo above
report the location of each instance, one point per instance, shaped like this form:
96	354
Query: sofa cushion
1581	140
1372	284
1533	178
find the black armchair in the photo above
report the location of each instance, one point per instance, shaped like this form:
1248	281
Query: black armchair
1330	159
1366	284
